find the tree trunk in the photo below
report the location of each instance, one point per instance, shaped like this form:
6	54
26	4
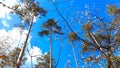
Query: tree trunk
31	62
109	64
24	46
75	58
50	66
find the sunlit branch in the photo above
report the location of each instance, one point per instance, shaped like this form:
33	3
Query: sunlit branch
98	45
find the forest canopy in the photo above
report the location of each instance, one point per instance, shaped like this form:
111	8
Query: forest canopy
59	34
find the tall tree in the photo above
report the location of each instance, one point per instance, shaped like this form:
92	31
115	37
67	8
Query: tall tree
27	11
48	28
103	37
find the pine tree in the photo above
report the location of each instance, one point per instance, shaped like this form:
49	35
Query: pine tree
48	28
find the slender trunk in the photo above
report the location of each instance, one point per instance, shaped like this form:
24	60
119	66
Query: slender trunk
109	61
31	63
24	46
109	64
75	58
50	65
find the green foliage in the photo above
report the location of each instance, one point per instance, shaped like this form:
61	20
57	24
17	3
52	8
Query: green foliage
50	26
49	23
117	38
88	26
112	10
85	47
103	37
10	60
116	21
28	9
43	61
72	36
27	1
106	36
44	32
88	48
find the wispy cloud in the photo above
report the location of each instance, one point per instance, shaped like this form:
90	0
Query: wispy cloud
4	23
35	51
11	38
5	12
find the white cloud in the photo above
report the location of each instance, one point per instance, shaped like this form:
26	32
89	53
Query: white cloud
9	39
5	12
34	52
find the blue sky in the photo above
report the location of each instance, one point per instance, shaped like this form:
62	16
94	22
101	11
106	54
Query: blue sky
68	9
